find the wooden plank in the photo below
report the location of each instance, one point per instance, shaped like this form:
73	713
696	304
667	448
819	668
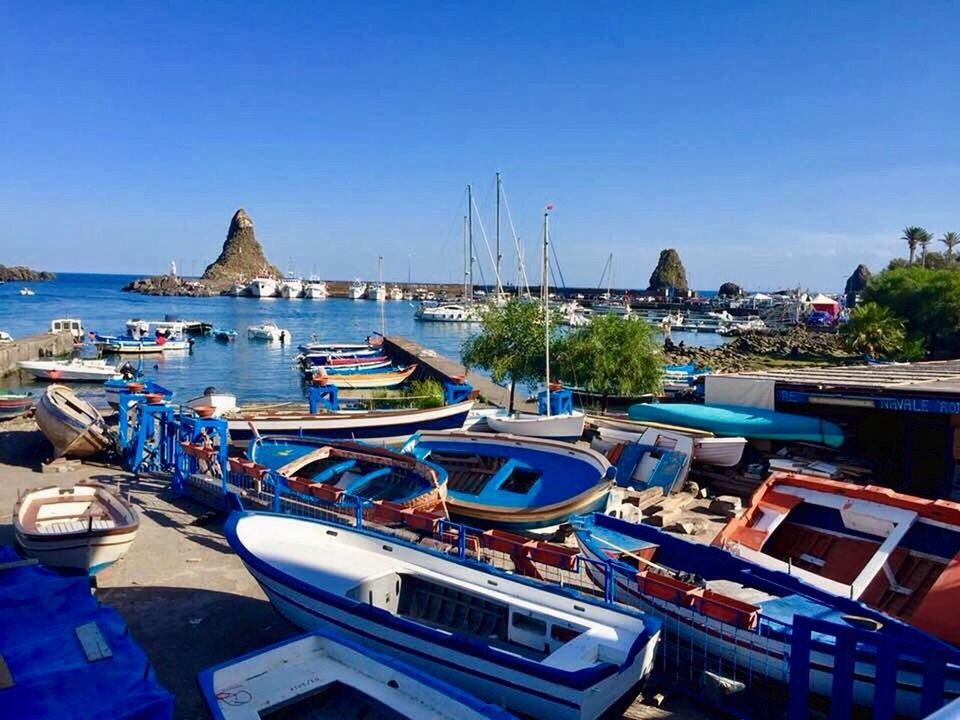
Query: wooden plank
94	645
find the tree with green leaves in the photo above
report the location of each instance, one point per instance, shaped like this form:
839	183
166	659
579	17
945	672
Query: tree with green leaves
950	240
510	344
874	328
927	300
915	237
613	355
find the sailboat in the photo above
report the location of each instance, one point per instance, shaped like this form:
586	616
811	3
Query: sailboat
566	425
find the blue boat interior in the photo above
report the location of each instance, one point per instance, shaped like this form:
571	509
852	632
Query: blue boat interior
515	477
779	596
369	480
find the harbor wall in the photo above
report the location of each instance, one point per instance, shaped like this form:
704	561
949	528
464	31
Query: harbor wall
404	351
33	348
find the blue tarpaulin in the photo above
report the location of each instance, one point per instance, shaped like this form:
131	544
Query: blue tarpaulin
52	676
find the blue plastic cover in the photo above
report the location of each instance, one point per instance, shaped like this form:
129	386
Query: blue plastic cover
51	674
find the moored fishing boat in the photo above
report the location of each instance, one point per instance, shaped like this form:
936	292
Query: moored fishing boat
130	346
514	483
14	405
73	426
364	380
381	426
726	610
327	469
327	675
72	370
86	527
736	421
269	332
539	650
329	359
556	418
897	553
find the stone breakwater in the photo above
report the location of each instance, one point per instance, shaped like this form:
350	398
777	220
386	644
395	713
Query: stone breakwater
756	351
171	285
21	272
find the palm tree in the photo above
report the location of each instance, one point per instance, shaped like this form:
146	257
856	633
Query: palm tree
914	237
951	240
874	328
923	241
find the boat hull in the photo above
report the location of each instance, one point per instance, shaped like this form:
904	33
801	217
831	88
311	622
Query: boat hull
556	427
12	406
387	427
67	371
367	381
73	426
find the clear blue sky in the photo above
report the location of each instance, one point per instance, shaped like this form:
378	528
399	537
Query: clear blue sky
770	143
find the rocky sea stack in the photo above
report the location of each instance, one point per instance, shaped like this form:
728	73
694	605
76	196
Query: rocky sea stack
730	290
669	273
242	256
856	284
21	272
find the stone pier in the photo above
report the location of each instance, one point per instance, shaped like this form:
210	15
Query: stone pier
33	348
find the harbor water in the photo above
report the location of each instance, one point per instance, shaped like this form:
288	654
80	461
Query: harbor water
254	371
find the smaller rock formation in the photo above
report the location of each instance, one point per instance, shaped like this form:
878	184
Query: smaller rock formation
669	274
21	272
856	284
730	290
168	285
242	256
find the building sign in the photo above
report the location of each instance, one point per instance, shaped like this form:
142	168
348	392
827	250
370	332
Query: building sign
949	405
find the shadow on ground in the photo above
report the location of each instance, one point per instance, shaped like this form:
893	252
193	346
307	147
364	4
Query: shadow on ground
185	630
26	448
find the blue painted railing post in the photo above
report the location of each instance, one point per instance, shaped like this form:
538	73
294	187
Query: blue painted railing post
359	510
277	480
609	582
462	541
799	669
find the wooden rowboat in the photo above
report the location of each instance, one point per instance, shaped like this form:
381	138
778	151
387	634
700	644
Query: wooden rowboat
86	527
73	426
366	380
14	405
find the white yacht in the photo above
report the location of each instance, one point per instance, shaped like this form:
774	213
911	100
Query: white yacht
291	289
378	292
315	290
396	293
357	290
263	287
448	312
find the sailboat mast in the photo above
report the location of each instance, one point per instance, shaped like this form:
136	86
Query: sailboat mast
545	292
380	288
499	256
470	237
466	254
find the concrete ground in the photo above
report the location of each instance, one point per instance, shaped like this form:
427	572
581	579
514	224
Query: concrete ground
186	597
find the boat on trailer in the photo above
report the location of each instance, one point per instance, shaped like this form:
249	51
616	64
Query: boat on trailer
87	527
72	425
523	484
707	449
539	650
897	553
389	427
327	469
321	674
728	611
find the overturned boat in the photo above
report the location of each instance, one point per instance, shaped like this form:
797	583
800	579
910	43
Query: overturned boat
539	650
331	676
73	426
86	527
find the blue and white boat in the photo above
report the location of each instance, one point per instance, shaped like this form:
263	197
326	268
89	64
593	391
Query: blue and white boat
514	483
383	427
538	650
738	613
322	674
224	334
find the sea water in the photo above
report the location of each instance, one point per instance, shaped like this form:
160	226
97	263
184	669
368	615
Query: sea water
254	371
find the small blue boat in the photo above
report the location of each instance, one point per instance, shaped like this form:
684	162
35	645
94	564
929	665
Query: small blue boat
736	421
516	483
327	675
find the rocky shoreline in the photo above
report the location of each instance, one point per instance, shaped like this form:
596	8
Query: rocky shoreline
23	273
760	350
171	285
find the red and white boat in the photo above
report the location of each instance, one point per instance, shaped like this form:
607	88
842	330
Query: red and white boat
897	553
